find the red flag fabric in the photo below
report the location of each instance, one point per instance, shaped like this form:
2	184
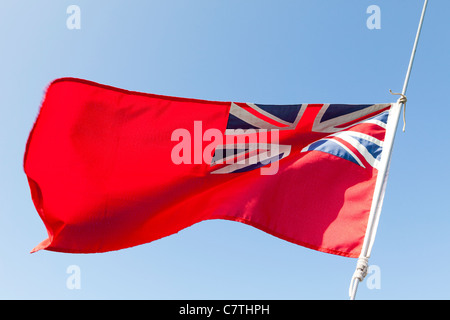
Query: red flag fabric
110	169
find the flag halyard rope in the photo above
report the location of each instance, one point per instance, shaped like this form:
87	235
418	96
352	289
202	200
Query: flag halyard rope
402	100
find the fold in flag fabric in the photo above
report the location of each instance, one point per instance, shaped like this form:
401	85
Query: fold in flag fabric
109	169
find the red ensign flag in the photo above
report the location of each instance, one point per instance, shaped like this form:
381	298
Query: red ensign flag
110	168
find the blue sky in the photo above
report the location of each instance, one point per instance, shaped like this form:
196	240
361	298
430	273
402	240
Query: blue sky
274	52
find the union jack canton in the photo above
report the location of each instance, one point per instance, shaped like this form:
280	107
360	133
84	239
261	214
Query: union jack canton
258	134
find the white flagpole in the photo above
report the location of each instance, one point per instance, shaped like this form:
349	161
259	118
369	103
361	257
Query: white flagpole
380	186
413	54
375	210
